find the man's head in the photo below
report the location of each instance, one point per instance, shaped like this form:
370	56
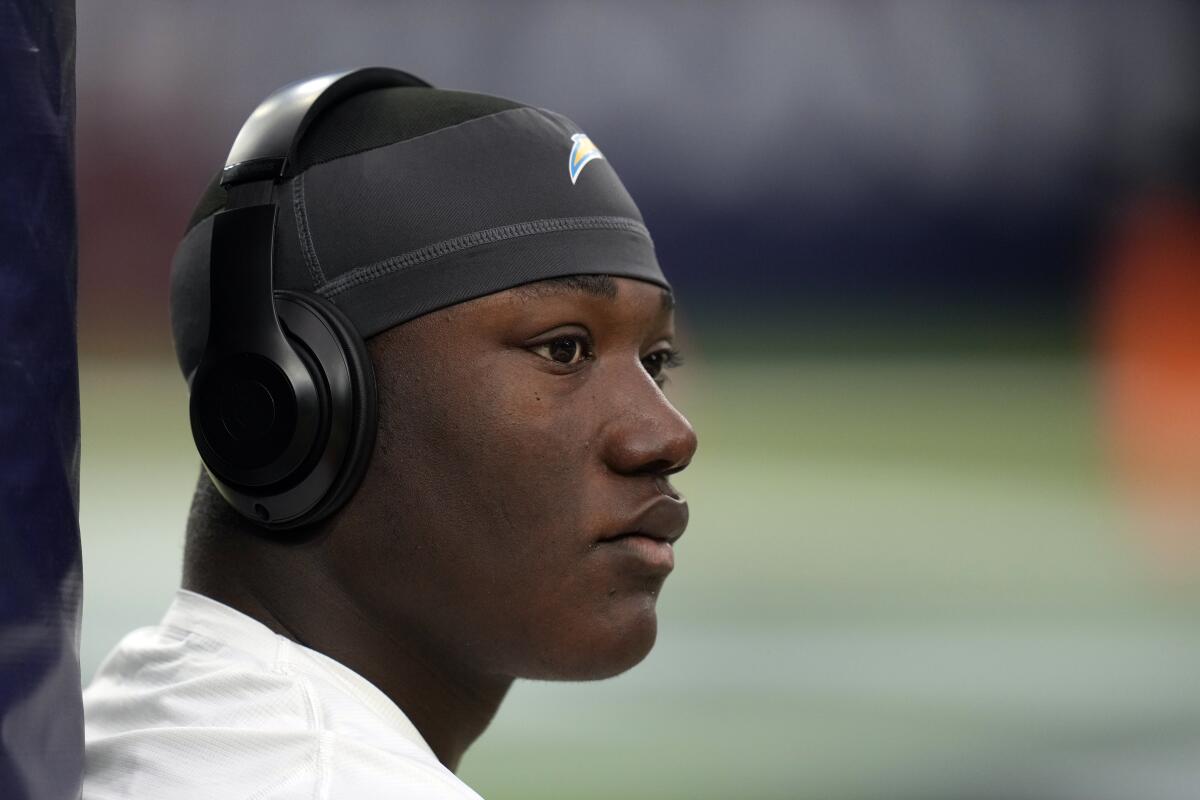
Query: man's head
516	514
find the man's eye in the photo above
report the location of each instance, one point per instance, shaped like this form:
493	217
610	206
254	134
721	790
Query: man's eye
566	350
661	360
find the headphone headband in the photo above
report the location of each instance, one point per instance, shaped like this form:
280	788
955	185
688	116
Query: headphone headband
265	147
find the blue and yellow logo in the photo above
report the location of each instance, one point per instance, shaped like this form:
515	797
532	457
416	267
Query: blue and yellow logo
583	151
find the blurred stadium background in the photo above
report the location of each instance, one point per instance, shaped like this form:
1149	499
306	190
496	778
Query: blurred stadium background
938	271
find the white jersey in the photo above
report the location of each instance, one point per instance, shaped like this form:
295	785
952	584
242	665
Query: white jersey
212	704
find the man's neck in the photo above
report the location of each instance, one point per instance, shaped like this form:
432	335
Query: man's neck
448	706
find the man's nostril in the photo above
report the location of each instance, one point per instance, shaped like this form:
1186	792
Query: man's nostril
660	467
676	468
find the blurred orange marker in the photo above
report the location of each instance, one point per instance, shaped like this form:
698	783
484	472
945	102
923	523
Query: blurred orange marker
1150	344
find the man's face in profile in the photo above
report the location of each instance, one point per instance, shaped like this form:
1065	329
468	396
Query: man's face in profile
517	513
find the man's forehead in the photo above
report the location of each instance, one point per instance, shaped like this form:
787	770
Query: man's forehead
594	285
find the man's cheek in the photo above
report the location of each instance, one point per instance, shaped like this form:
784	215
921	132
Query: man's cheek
535	428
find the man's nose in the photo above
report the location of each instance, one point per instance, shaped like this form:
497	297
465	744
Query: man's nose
650	436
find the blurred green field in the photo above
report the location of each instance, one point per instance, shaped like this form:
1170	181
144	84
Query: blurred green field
905	577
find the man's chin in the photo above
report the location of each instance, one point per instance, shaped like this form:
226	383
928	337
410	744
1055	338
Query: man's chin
612	647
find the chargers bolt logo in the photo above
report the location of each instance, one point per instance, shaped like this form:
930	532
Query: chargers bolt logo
583	151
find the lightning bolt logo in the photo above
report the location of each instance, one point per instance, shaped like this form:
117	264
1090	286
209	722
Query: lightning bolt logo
583	152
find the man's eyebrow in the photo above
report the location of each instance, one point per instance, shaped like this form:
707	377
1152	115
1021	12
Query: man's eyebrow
595	285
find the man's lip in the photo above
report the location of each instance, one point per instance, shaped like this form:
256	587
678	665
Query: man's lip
664	519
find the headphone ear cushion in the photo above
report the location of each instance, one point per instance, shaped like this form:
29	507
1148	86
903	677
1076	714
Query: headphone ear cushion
363	406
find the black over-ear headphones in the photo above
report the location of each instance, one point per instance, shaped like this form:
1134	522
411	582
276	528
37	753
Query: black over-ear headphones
283	402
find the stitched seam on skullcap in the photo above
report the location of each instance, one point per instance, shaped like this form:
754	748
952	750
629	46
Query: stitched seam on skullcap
370	272
306	244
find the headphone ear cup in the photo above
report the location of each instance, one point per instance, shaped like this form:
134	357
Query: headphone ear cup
349	380
330	447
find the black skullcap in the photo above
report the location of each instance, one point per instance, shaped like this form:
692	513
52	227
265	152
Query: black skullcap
408	200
